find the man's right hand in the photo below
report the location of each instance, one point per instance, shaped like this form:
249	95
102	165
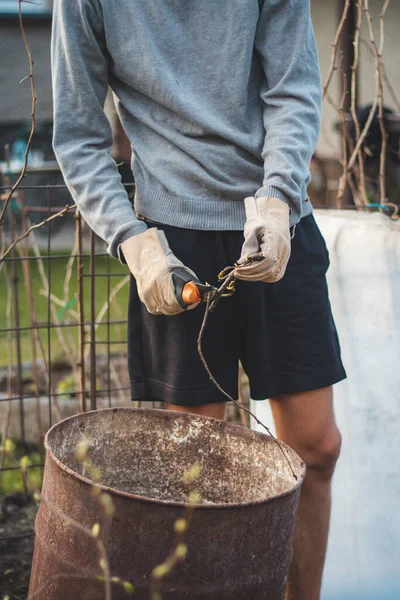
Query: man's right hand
152	262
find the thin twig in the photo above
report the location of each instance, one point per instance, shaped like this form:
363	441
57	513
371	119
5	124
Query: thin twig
7	417
379	92
343	177
57	577
354	191
382	161
385	77
69	354
23	251
68	270
56	300
356	44
363	134
104	308
332	67
179	550
243	416
215	382
378	98
33	119
35	226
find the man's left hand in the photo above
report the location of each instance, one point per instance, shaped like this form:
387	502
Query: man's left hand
266	230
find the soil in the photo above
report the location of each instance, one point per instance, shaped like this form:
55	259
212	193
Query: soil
16	545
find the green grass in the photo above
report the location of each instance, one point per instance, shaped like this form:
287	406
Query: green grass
11	481
118	309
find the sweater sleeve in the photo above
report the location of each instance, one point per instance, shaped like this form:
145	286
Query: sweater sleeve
82	137
291	99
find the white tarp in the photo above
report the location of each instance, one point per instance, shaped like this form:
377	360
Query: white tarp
364	281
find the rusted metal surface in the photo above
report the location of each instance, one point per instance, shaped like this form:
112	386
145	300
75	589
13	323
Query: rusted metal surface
92	323
240	538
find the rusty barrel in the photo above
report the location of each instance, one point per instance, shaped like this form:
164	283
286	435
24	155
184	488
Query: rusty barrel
241	532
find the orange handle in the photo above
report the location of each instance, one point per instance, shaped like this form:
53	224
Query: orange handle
191	293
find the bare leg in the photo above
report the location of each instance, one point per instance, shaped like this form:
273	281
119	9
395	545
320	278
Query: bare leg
216	410
306	422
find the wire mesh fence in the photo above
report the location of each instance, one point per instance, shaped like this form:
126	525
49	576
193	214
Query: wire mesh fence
63	321
63	317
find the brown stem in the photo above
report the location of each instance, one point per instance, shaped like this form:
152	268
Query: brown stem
378	99
343	177
33	121
335	44
379	92
173	558
389	86
356	43
32	227
215	382
23	251
7	417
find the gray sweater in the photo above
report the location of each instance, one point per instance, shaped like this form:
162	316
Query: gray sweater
220	99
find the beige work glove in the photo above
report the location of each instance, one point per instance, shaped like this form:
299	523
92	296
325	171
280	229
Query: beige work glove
266	230
152	263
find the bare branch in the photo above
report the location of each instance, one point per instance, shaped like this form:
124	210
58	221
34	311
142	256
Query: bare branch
332	67
35	226
343	177
6	420
385	77
379	92
362	191
33	119
228	396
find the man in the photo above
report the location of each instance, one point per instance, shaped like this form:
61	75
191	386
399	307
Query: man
221	102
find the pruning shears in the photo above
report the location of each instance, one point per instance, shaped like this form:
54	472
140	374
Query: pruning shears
189	290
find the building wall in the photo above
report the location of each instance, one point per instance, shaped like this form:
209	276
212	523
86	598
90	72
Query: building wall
15	97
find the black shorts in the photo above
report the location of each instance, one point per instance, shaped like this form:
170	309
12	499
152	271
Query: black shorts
283	333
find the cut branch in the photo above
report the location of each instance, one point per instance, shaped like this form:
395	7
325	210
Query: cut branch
228	396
